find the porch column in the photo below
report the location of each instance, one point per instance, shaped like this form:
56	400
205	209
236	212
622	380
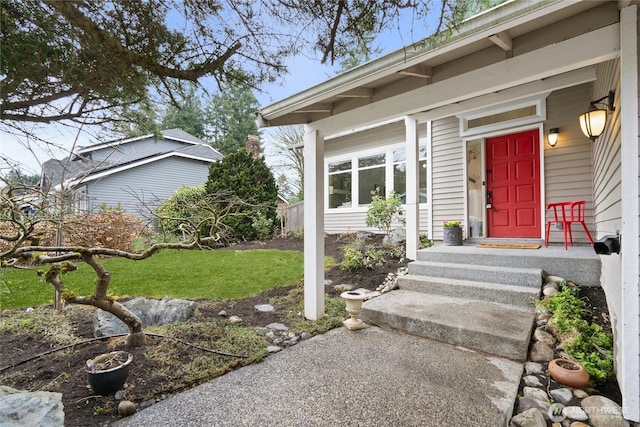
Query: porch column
413	184
313	224
629	369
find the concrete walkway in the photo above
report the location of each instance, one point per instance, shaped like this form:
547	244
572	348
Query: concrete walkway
371	377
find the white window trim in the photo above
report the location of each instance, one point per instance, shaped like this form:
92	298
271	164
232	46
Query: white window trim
353	157
537	101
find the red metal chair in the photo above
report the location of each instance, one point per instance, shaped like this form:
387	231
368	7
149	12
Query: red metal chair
570	212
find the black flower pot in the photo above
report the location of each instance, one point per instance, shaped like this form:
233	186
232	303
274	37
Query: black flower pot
108	372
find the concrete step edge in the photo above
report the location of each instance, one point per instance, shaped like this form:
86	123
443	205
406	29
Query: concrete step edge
512	344
469	266
525	290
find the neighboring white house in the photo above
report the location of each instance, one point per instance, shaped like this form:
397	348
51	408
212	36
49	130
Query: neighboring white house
459	128
135	174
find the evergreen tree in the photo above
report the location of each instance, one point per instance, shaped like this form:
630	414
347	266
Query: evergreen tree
239	176
231	118
189	117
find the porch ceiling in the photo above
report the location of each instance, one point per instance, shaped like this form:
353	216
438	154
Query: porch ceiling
418	66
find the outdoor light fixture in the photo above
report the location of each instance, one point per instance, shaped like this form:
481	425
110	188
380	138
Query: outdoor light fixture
594	120
552	136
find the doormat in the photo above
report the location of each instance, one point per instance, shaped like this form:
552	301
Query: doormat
510	245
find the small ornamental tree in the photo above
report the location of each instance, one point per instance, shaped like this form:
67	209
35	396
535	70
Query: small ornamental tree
250	181
383	212
26	243
180	206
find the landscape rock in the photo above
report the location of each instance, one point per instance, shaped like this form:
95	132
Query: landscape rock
533	368
535	393
126	408
265	308
543	336
562	395
526	403
279	327
580	394
603	412
27	409
575	413
222	313
530	418
532	381
541	352
398	235
150	311
553	279
235	319
305	336
273	349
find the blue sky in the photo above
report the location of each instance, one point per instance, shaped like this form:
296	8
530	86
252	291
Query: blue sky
304	72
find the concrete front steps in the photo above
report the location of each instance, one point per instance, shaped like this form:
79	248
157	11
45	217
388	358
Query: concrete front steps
467	297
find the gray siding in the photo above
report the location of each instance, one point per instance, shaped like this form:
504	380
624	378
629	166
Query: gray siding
606	155
382	136
135	150
448	174
146	185
568	166
608	198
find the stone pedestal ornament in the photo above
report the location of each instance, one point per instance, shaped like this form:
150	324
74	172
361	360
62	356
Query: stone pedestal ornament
354	307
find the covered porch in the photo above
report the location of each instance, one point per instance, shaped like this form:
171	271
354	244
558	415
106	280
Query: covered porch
493	91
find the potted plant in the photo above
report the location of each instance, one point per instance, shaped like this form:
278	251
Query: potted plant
452	233
568	372
108	372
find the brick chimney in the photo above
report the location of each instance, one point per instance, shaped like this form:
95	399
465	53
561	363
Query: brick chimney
253	146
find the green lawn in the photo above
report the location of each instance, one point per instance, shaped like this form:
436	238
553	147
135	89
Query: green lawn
219	274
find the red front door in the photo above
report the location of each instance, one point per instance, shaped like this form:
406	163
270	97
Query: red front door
513	185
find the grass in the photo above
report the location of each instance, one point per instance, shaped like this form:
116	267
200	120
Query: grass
220	274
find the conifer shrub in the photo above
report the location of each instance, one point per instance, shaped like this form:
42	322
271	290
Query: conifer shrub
240	177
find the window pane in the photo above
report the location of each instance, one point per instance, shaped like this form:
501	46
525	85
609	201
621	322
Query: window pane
400	178
399	155
422	174
369	180
364	162
422	154
340	190
340	166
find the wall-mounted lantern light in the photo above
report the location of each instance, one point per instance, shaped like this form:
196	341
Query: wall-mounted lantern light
552	136
594	120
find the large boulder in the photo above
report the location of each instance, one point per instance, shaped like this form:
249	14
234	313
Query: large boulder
26	408
150	311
